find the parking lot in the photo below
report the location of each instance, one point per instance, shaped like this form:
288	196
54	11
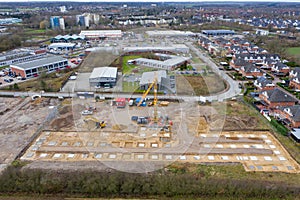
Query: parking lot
7	80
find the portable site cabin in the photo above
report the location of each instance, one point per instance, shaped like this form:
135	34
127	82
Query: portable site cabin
120	102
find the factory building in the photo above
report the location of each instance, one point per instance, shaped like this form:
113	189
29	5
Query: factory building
103	77
101	34
35	67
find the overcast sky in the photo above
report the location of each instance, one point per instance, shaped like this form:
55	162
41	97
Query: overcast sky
155	0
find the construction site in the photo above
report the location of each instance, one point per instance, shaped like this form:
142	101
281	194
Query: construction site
102	131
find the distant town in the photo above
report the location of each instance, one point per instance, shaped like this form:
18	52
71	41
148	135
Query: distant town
173	95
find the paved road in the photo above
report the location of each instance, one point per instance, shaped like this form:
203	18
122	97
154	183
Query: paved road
233	90
114	95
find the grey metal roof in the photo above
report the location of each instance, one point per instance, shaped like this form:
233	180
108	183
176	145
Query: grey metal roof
61	45
174	60
173	48
218	31
104	72
41	62
148	77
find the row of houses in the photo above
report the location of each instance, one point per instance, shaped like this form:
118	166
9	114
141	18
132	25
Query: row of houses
277	23
251	61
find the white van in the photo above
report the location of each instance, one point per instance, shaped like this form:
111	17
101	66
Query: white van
19	78
130	102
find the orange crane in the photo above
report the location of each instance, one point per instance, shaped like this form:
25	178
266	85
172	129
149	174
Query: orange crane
154	86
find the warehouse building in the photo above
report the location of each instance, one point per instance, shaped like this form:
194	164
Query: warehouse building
218	32
104	77
101	34
169	62
62	46
164	82
20	55
179	48
36	67
67	38
170	33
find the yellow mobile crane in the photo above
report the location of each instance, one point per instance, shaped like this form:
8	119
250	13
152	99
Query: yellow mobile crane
154	103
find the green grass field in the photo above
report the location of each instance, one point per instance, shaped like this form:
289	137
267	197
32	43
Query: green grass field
126	67
130	86
294	51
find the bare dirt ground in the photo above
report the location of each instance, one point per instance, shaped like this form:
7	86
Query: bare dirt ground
198	85
97	59
197	136
20	119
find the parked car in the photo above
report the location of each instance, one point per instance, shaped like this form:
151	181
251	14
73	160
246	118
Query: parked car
87	112
7	80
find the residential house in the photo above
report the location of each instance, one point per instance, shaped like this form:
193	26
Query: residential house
262	83
203	42
261	51
295	72
237	50
252	48
295	83
291	115
268	63
280	69
250	71
256	58
295	79
238	63
277	98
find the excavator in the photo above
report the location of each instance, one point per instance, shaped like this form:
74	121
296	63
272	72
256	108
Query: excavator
99	124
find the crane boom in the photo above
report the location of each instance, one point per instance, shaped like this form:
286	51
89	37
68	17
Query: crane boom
154	83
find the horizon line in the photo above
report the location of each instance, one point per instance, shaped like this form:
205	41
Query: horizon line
156	1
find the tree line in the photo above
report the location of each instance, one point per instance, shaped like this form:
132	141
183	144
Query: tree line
168	184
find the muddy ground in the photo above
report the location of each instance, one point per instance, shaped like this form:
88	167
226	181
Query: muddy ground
20	119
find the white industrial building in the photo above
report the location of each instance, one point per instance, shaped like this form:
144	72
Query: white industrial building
35	67
62	46
170	33
178	48
20	55
104	76
164	82
167	62
98	34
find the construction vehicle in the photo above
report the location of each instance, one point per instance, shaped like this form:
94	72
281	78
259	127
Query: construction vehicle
98	124
154	103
